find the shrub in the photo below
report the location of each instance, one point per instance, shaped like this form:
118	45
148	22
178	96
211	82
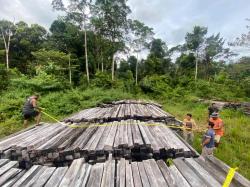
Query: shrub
157	85
40	83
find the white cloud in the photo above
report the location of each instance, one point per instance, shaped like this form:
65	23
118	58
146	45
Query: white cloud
171	19
30	11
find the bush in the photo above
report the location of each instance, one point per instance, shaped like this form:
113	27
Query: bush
156	85
102	80
40	83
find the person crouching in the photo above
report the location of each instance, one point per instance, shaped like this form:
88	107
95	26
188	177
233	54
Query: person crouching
30	110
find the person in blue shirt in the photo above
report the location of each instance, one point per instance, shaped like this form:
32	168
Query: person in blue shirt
208	141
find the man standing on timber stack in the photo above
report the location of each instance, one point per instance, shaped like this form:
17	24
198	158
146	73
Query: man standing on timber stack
30	110
189	124
218	127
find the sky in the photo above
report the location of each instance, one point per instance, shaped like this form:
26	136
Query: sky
171	19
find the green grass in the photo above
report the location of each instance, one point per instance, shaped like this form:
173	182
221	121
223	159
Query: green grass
235	145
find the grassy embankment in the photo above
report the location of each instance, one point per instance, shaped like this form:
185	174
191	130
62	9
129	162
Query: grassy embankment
234	150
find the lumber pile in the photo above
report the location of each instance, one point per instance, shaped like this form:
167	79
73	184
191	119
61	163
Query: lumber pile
60	144
122	143
187	172
244	107
122	110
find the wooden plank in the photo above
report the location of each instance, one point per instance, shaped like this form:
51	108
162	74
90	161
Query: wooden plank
157	173
69	139
130	136
54	141
96	175
129	176
57	177
136	175
121	137
92	139
83	139
111	137
113	173
117	136
27	176
98	136
117	182
202	173
11	140
8	166
157	139
150	173
178	178
84	175
14	179
220	175
122	173
42	138
144	135
161	137
136	135
9	175
72	172
238	179
103	138
174	141
108	178
79	176
152	140
35	177
37	137
125	134
166	173
3	162
188	173
44	177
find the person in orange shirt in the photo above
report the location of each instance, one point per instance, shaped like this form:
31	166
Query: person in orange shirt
218	127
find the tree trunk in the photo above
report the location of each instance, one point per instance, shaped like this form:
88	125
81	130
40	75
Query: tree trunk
136	71
86	55
7	47
7	59
102	60
113	67
196	66
70	79
113	59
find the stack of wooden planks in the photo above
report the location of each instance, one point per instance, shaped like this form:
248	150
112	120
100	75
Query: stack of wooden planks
122	110
60	144
187	172
123	143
